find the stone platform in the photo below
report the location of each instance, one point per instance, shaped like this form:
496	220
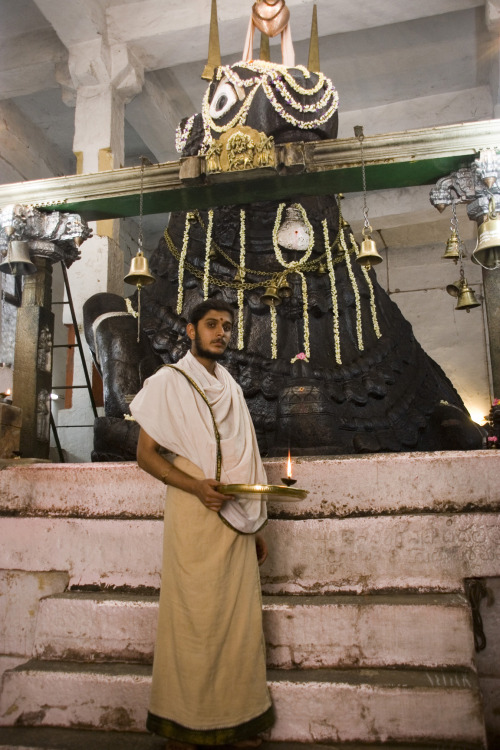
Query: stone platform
369	633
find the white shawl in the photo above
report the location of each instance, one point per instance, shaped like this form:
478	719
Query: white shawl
175	415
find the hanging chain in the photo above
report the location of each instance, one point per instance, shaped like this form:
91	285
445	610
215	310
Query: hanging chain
141	204
358	132
454	228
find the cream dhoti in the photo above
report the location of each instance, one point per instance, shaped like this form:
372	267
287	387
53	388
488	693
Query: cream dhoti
209	673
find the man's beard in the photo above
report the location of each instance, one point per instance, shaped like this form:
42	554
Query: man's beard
206	353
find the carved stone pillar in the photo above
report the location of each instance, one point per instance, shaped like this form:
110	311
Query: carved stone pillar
33	361
51	237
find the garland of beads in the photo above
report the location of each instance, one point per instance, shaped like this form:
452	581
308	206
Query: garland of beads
333	287
277	252
208	247
301	124
359	328
242	277
181	136
182	260
274	333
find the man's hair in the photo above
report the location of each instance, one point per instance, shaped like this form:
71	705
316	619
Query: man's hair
199	311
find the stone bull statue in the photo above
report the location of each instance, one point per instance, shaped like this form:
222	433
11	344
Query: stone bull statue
326	360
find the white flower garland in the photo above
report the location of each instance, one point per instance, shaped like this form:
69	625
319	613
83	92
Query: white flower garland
359	329
278	75
181	136
274	333
180	289
335	305
277	223
305	311
242	277
208	247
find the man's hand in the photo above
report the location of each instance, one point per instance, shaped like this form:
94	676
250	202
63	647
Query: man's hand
261	549
206	492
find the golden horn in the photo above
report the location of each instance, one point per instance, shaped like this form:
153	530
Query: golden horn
265	52
214	60
313	62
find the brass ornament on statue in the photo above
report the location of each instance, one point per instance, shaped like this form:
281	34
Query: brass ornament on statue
452	251
139	273
17	261
466	297
487	250
271	296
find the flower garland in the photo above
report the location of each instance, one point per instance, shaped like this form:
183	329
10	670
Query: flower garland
207	253
181	136
268	75
277	252
335	304
305	311
373	307
182	260
274	333
242	277
359	328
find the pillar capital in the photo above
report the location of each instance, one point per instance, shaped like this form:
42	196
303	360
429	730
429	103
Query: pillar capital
493	15
96	67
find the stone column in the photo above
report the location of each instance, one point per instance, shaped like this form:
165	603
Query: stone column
105	78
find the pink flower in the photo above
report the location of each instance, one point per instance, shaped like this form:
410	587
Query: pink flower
301	355
493	439
496	401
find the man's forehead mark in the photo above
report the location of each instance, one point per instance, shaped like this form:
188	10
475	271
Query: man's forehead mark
209	317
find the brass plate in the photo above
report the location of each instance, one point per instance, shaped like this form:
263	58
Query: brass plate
269	492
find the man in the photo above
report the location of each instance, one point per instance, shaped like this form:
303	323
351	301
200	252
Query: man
209	675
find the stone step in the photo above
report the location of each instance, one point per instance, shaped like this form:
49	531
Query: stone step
54	738
307	632
364	485
335	705
310	556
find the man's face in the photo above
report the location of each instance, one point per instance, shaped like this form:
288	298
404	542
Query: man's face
211	334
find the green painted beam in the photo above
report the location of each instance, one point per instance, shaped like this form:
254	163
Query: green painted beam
394	160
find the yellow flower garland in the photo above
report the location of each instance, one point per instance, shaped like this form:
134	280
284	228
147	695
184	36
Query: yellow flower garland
359	328
274	333
335	304
180	290
208	247
242	277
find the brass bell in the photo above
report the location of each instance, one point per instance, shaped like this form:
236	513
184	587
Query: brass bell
322	268
17	262
452	251
454	289
271	296
139	273
212	253
368	254
487	251
285	291
466	298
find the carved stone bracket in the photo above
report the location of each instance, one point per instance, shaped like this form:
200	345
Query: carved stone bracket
56	236
474	186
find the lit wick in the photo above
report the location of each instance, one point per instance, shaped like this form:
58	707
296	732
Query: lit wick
288	479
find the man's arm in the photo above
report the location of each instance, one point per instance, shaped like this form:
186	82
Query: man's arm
149	459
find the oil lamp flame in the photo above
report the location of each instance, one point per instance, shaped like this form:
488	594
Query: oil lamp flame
288	479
